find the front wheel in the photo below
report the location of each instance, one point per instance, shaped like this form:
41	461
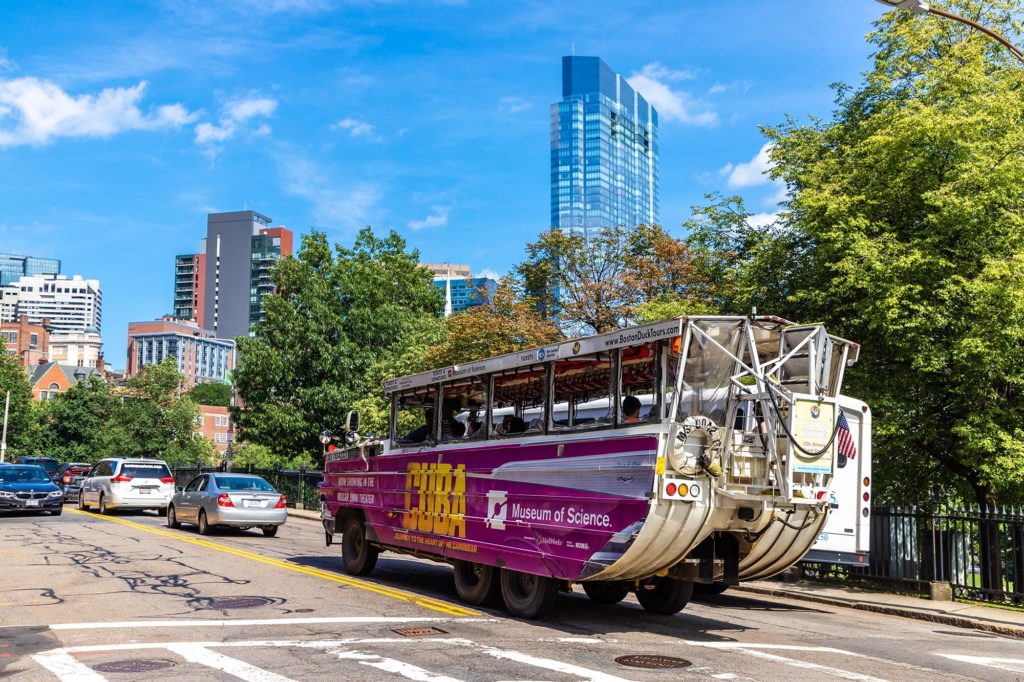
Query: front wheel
664	596
57	511
358	556
710	589
527	595
476	583
606	591
270	531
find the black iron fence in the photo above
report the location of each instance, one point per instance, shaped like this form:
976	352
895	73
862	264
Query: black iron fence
298	485
979	552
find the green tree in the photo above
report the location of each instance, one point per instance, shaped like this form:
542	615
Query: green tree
904	230
83	424
336	320
213	394
22	425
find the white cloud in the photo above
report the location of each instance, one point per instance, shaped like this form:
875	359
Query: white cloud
438	218
750	173
673	105
5	63
348	208
34	111
234	115
762	219
489	274
513	105
357	128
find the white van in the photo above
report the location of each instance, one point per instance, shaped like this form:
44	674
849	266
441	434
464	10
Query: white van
119	483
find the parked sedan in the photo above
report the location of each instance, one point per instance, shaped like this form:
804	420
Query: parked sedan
235	500
26	487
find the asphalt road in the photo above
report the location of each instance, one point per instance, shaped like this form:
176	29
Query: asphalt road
88	598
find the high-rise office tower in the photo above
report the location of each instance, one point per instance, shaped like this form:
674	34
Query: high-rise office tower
604	151
13	266
72	305
241	250
189	285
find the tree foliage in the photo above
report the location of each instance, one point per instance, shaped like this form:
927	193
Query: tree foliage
904	230
22	431
338	318
213	394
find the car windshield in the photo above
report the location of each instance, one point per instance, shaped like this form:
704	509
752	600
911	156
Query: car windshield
243	483
137	470
29	474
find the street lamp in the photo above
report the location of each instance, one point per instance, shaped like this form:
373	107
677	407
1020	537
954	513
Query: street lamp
922	7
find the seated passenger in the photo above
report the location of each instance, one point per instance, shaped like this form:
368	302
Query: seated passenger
516	425
631	410
420	434
474	430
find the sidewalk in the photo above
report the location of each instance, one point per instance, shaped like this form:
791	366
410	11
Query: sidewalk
1002	621
304	514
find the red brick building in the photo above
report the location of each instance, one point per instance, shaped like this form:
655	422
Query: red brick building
29	342
216	425
200	356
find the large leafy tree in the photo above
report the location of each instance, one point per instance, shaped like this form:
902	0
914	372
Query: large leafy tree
84	423
337	319
22	430
904	230
213	394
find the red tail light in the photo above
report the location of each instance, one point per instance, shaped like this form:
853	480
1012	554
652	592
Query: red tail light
167	479
224	500
281	503
67	479
120	479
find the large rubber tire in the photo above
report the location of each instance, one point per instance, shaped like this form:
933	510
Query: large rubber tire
270	531
82	506
57	512
606	591
172	518
204	525
103	505
528	596
709	589
664	596
358	556
476	583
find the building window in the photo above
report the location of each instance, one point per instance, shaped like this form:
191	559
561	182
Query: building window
33	340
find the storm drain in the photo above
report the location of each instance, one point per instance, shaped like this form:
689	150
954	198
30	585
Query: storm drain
654	662
229	603
419	632
132	665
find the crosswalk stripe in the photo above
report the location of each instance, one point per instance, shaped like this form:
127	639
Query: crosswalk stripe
66	667
390	665
194	653
807	665
1013	665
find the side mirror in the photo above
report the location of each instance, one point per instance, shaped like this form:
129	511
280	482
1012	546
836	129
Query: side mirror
178	488
325	437
352	421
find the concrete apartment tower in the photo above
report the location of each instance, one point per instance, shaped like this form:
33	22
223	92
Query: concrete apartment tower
241	250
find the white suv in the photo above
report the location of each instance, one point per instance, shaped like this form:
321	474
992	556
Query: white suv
119	483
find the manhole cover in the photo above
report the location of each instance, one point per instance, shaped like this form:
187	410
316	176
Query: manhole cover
227	603
419	632
644	661
134	665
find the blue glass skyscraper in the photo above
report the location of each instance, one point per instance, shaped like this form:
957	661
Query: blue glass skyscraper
14	267
604	151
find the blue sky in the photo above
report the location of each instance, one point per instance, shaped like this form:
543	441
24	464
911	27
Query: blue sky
122	124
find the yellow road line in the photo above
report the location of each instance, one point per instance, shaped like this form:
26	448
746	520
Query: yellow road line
401	595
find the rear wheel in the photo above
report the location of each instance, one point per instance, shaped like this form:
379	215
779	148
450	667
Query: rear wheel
204	527
476	583
527	595
103	505
270	531
358	556
172	518
664	596
606	591
709	589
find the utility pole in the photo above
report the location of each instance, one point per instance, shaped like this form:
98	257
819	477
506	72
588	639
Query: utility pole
3	438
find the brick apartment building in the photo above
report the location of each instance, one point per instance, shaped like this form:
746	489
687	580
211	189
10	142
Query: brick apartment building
30	343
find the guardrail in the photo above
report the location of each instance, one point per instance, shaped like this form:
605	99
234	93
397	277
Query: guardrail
298	485
978	551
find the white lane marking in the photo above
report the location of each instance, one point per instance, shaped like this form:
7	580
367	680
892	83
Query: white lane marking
580	640
806	665
1013	665
232	666
390	665
260	621
66	667
557	666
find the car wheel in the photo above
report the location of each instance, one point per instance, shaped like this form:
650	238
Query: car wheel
270	531
81	501
204	527
358	556
172	518
161	511
476	584
709	589
103	505
527	595
57	511
664	596
606	591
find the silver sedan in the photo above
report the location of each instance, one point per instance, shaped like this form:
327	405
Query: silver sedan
235	500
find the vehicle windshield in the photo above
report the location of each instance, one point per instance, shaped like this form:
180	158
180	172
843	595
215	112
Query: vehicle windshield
48	465
243	483
136	470
28	474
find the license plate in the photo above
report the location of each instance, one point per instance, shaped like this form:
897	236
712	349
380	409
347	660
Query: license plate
31	503
145	491
251	503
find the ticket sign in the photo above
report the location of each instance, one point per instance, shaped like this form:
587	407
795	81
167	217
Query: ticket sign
812	427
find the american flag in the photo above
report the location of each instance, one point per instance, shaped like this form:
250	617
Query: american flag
846	446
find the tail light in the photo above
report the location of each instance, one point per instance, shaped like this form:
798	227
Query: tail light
670	489
167	479
224	500
120	479
66	479
281	503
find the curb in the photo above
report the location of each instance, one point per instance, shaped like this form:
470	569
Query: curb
889	610
305	515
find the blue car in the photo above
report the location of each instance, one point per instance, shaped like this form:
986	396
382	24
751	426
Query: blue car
28	488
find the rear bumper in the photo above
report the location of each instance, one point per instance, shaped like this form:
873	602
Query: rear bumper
228	516
152	501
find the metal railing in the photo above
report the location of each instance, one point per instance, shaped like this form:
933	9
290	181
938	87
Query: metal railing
978	551
298	485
